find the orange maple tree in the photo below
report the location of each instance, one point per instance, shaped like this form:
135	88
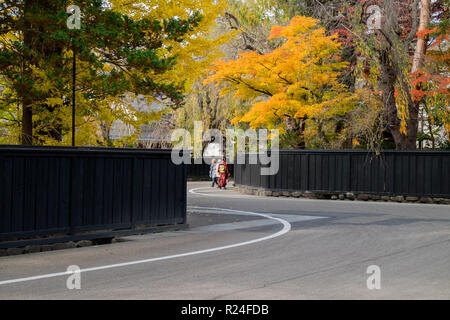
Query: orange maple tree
430	84
294	82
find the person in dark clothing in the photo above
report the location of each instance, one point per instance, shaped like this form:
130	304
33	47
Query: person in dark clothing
213	173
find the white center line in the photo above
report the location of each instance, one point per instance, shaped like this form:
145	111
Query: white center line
286	228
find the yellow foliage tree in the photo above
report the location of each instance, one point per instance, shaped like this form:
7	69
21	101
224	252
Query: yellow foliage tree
293	83
189	46
195	54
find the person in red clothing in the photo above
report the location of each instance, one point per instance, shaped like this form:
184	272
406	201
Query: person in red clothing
224	173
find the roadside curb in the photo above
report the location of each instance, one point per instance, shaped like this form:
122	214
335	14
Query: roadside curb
348	196
16	248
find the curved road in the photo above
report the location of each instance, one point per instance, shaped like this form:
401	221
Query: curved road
249	247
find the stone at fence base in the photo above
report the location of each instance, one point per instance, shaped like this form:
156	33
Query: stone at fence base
397	199
32	249
309	195
439	200
58	246
71	244
14	251
46	247
84	243
425	200
64	245
363	197
3	253
347	196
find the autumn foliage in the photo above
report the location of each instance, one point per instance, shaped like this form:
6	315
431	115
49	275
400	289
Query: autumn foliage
298	80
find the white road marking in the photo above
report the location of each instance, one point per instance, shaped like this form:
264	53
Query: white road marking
286	228
239	225
222	194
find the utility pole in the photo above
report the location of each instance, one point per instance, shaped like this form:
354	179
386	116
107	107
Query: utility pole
74	23
74	79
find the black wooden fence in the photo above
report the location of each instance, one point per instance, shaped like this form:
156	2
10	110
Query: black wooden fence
78	193
413	173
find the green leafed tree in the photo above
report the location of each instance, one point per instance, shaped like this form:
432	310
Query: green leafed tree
116	55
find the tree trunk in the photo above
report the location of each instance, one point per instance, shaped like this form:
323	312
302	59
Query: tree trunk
32	37
387	85
27	126
27	112
419	57
389	75
421	46
297	126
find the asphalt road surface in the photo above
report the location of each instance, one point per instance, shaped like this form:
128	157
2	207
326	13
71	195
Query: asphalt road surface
249	247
